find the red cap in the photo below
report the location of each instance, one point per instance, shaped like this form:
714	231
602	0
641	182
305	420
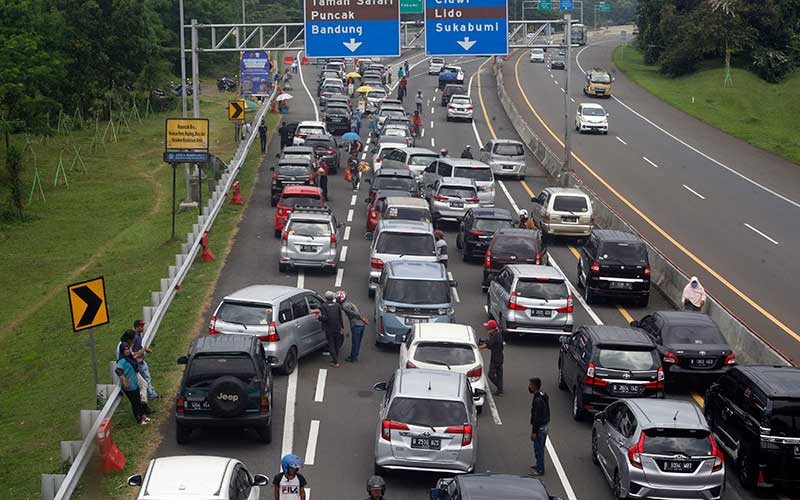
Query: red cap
491	324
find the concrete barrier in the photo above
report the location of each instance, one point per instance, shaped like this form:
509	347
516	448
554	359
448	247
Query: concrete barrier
668	278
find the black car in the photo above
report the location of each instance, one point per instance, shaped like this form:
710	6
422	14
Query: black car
450	90
689	343
512	246
338	99
557	63
614	264
490	486
754	413
477	228
227	383
394	179
600	364
326	149
290	172
337	119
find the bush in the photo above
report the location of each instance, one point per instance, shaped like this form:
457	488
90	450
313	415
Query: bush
770	64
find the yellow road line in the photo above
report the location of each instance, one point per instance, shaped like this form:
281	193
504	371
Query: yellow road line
480	98
625	314
653	224
527	188
574	251
698	399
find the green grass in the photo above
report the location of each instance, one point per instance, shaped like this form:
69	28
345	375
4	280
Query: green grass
113	221
758	112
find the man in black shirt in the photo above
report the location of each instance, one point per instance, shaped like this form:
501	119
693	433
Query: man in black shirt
495	346
262	135
540	418
284	133
332	324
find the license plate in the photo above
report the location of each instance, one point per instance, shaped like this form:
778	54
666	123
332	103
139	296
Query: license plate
678	466
198	405
620	285
308	248
456	204
412	321
626	389
541	313
701	362
797	450
569	219
426	443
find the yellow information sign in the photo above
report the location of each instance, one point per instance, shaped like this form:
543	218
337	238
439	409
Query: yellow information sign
87	303
187	134
236	110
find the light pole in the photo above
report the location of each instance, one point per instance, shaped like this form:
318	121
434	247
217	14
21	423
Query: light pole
568	64
188	199
243	19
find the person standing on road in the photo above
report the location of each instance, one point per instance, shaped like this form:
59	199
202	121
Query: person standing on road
373	124
694	295
284	133
140	352
262	135
467	153
289	483
400	73
540	418
332	324
357	323
525	222
294	66
351	87
441	246
130	383
407	70
352	166
418	100
322	180
495	346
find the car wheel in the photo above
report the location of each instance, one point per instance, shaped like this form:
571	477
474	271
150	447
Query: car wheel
265	433
290	363
277	233
182	434
479	409
561	384
458	242
371	293
747	469
283	268
577	404
579	280
380	471
644	301
617	487
595	456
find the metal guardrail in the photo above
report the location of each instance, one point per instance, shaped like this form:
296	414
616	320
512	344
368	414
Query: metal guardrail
79	453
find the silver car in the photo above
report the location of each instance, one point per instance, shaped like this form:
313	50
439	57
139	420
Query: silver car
506	157
280	316
309	239
414	159
656	448
563	212
452	197
530	299
399	239
427	421
480	172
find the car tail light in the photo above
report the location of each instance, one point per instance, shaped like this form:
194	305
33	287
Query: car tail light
595	267
659	384
538	258
311	178
330	152
373	214
464	430
179	404
477	233
472	200
439	197
469	108
475	373
719	458
569	307
274	177
409	364
212	326
647	270
272	334
545	217
376	263
264	404
635	453
388	425
488	262
333	239
302	136
591	379
284	238
512	303
670	357
730	359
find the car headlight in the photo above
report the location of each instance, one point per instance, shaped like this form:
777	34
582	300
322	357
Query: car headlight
446	311
390	309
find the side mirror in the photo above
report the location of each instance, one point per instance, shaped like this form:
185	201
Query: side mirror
402	337
273	360
443	483
260	480
380	386
478	393
183	360
135	480
453	283
635	324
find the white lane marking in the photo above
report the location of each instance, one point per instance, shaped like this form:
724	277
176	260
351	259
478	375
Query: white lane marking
347	233
432	109
343	254
308	92
339	277
422	133
562	90
455	291
551	76
301	278
311	447
433	142
350	215
571	99
620	140
490	401
369	139
474	127
694	192
364	155
319	394
352	200
648	161
556	82
431	123
689	146
774	242
429	102
308	493
576	294
288	419
436	90
562	475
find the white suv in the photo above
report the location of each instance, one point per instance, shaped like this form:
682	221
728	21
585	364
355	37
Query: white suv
306	128
435	65
591	117
459	108
537	55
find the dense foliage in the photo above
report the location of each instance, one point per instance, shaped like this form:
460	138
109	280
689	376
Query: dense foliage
679	34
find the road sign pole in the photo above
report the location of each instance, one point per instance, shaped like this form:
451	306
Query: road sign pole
94	360
567	127
174	189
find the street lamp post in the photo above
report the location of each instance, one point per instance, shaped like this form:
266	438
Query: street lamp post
567	128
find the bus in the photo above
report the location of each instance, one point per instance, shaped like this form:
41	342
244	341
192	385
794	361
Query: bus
578	34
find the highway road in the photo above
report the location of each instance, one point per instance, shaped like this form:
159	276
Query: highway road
716	206
328	415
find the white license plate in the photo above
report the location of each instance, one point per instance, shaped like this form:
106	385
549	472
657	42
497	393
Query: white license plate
701	362
620	285
678	466
797	450
571	220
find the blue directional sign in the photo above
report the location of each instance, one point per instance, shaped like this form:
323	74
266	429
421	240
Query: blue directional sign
565	4
466	27
352	28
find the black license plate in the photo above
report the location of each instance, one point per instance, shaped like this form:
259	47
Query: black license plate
541	313
572	220
620	285
308	248
626	389
678	466
412	321
456	204
703	362
426	443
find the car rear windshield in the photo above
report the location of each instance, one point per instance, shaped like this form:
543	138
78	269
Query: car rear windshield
690	442
446	353
512	245
427	412
458	192
460	100
207	367
629	359
408	213
509	149
395	132
376	94
421	160
417	292
692	334
293	170
394	183
405	244
305	129
542	290
385	151
593	112
785	418
476	174
308	228
626	253
457	89
491	225
570	204
393	113
244	313
320	143
337	111
301	201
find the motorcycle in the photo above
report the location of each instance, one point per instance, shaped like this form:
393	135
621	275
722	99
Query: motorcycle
226	84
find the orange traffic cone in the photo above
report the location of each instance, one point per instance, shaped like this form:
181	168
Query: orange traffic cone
347	176
237	195
207	255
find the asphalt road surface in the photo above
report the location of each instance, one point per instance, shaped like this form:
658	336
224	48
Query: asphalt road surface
327	415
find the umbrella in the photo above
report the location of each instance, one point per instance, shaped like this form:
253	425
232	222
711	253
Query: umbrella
364	88
350	136
353	74
248	104
284	97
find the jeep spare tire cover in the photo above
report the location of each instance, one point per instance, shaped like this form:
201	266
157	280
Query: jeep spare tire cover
227	397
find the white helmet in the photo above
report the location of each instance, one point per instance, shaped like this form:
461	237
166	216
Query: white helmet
523	213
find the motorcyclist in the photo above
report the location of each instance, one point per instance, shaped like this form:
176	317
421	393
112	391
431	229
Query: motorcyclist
525	222
443	153
289	483
376	488
467	153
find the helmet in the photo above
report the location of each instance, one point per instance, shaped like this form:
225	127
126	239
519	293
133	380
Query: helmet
341	296
329	295
467	147
443	152
291	461
376	482
438	233
523	213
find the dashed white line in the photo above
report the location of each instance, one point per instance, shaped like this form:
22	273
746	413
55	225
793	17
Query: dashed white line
433	142
343	255
433	110
288	419
694	192
455	291
559	470
422	133
346	233
339	277
350	215
311	447
620	140
562	89
552	76
648	161
431	123
352	200
364	155
319	394
771	240
571	99
301	278
369	139
556	82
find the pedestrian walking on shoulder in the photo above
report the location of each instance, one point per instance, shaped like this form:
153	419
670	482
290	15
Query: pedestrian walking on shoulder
289	484
332	324
400	73
694	295
248	129
351	87
495	347
140	353
441	246
127	340
373	124
283	131
357	323
262	134
294	66
407	70
130	383
540	419
322	180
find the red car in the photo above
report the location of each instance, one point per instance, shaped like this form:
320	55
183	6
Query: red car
296	196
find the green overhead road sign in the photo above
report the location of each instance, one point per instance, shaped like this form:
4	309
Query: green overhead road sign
411	7
545	5
604	7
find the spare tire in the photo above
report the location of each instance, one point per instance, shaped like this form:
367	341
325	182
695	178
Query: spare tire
227	397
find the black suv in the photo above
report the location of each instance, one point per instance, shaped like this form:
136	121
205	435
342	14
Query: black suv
337	118
477	228
290	172
487	485
512	246
227	382
689	343
326	149
600	364
754	413
394	179
614	264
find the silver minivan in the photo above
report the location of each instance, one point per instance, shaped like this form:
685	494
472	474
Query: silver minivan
414	159
480	172
310	239
506	157
452	197
278	315
530	299
563	212
399	239
427	421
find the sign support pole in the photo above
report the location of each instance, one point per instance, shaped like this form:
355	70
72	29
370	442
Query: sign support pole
94	359
199	189
174	187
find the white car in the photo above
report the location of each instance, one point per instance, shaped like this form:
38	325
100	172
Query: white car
459	108
196	476
435	65
306	128
591	117
537	55
446	347
383	149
